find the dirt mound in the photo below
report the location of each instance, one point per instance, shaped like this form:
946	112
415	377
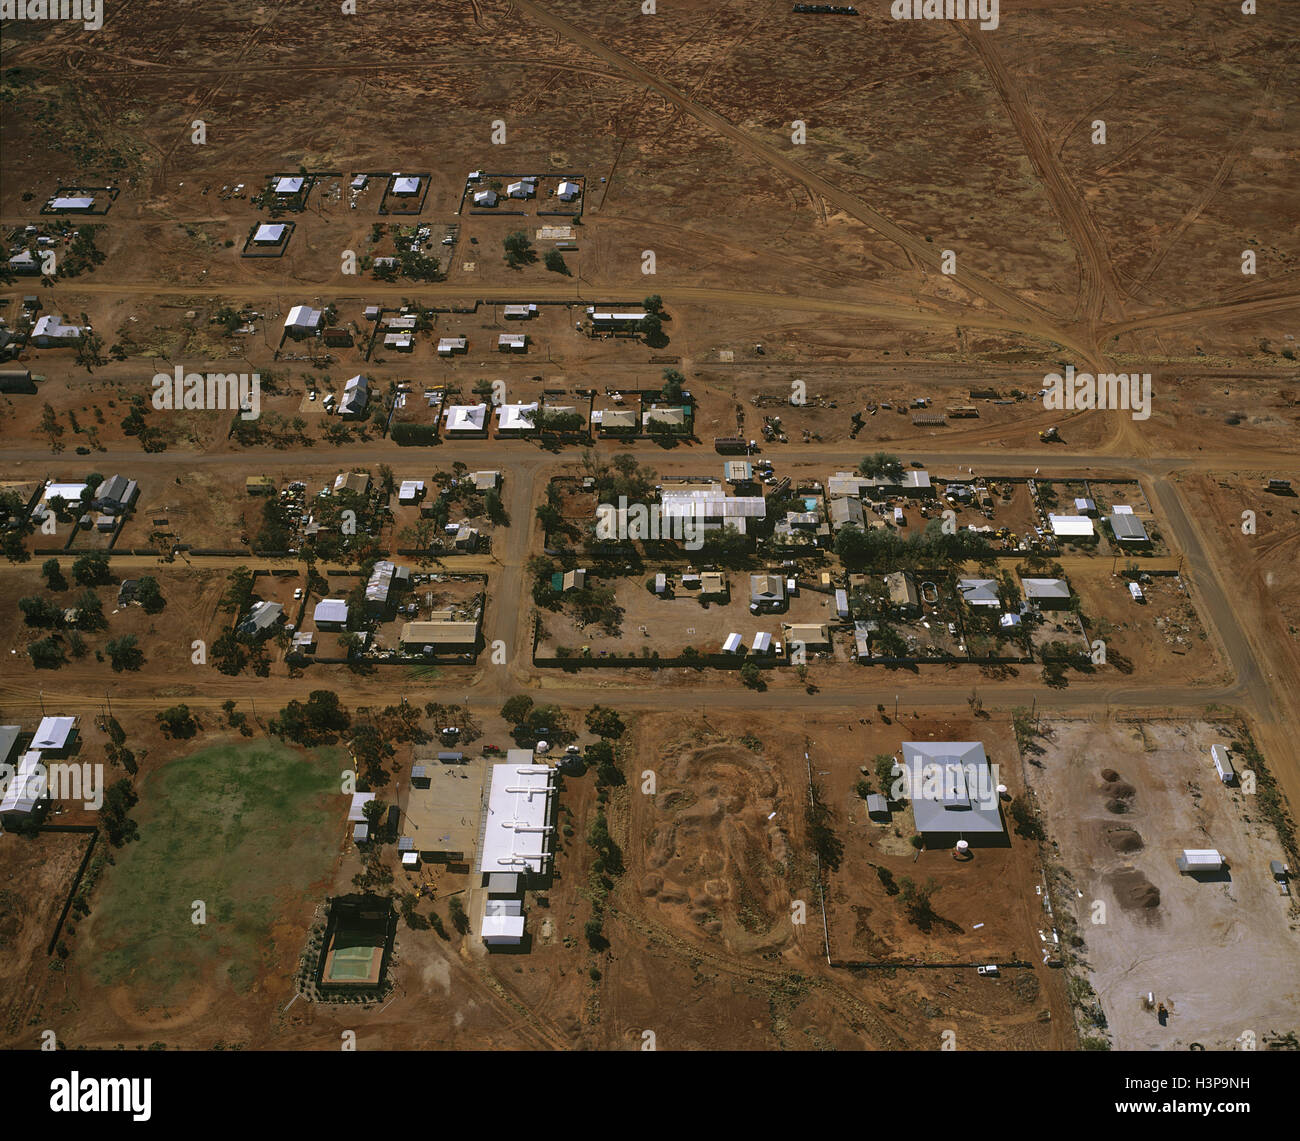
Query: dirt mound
1124	839
713	856
1118	795
1133	890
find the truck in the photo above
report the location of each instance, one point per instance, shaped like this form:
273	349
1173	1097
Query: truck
1222	765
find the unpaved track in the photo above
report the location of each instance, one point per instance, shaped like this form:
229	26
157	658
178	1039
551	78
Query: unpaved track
1100	286
1042	324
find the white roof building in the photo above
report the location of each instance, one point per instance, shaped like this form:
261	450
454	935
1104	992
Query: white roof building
712	507
512	342
288	185
54	734
72	202
406	184
568	191
524	188
410	491
485	198
449	345
466	417
503	922
517	417
70	493
51	327
28	787
355	397
517	834
268	234
1071	526
518	312
303	318
330	611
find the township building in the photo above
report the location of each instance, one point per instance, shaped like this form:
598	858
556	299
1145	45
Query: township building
518	828
302	321
953	792
1046	593
440	634
710	507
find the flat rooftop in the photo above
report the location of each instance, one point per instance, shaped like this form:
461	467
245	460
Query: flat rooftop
445	817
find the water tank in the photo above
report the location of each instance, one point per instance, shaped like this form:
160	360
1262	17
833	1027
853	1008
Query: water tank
542	746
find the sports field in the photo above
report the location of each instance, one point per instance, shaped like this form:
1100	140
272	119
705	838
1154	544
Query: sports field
248	830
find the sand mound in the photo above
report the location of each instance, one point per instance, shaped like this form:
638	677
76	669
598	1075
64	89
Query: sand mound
1133	890
1124	839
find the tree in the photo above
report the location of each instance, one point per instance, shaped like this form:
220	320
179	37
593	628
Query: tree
881	463
456	910
51	427
14	548
818	817
917	901
92	570
519	250
46	654
653	304
517	708
149	594
1027	823
239	591
602	756
651	327
39	611
751	675
604	722
554	261
673	382
119	798
884	765
496	512
124	653
54	575
178	722
90	611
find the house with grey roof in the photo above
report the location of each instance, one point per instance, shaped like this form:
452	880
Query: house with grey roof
846	512
114	496
979	591
1127	528
1046	593
262	619
953	792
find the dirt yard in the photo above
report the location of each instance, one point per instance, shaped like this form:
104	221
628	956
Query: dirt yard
1221	952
